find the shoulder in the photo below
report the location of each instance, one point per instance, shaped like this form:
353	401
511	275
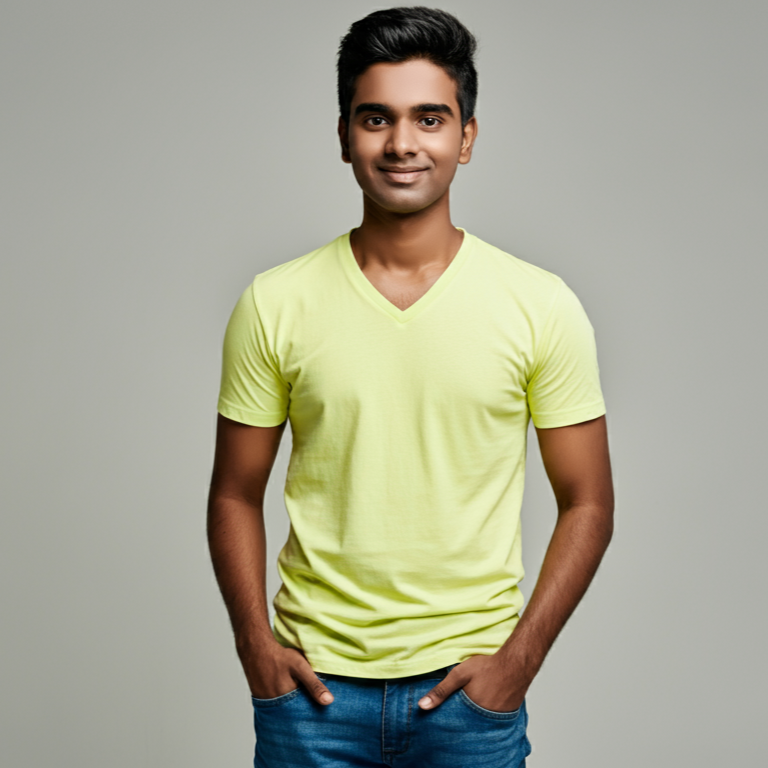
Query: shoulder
528	285
291	280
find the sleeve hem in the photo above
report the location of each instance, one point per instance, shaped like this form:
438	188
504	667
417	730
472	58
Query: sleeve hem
252	418
571	416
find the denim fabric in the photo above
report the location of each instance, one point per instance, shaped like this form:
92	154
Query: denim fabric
374	723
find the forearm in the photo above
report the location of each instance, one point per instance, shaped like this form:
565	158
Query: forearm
237	543
580	538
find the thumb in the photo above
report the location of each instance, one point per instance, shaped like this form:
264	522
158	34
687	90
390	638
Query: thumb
315	686
441	691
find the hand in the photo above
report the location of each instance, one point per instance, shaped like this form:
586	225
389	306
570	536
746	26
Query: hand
490	681
273	670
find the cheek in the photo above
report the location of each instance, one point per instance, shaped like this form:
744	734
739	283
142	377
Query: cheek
444	150
365	148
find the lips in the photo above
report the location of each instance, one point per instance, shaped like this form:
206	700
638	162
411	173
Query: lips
409	173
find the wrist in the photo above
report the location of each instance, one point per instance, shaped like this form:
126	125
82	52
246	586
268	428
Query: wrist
524	657
254	639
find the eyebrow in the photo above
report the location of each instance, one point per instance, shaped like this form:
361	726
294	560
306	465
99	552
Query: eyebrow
370	106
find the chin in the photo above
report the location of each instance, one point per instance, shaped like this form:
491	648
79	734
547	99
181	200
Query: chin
401	205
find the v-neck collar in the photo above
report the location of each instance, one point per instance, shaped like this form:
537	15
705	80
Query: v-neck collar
366	287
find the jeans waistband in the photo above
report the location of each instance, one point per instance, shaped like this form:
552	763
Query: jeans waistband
435	674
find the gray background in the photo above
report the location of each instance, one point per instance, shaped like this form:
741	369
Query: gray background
157	155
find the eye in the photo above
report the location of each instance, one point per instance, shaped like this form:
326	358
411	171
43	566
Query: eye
374	117
432	125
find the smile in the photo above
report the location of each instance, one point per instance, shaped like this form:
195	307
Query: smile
404	176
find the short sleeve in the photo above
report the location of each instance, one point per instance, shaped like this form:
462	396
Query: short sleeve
564	386
252	390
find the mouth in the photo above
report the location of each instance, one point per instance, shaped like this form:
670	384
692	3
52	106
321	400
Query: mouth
403	176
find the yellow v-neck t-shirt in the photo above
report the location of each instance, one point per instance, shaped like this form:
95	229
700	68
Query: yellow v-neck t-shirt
409	430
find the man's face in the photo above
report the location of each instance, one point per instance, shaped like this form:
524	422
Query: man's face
405	117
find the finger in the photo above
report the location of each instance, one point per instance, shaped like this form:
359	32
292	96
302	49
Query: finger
315	686
440	692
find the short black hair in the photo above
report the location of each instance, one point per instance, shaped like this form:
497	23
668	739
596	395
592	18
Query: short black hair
410	32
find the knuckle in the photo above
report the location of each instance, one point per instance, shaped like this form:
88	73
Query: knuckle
318	688
438	690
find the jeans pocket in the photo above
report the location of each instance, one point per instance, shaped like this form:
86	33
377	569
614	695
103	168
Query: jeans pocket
489	713
275	700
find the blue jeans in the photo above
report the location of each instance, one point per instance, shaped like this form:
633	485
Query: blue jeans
375	723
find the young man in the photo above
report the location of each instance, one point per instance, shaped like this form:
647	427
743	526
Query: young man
409	356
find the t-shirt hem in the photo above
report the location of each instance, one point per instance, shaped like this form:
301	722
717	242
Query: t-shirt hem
369	669
252	418
569	417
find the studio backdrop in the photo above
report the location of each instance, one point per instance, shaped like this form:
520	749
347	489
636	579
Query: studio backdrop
157	155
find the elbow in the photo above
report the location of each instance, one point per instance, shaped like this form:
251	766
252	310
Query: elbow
607	519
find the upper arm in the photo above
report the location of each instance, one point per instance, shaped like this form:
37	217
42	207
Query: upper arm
253	390
578	464
567	407
252	406
563	387
243	459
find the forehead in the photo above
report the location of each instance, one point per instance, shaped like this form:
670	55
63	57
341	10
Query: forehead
405	83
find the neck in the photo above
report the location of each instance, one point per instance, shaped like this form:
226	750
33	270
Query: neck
405	241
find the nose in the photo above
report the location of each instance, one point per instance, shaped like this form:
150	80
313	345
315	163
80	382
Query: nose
403	139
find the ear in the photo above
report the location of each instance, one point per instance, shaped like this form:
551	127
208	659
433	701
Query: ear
468	140
344	139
